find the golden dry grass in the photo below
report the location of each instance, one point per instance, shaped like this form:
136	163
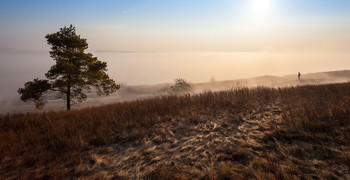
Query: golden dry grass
260	133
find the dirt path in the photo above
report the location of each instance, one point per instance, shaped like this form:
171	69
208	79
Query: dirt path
197	147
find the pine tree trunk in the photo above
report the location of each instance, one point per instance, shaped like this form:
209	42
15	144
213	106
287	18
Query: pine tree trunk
68	99
68	96
68	89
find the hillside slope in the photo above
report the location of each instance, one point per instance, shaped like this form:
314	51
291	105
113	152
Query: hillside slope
264	133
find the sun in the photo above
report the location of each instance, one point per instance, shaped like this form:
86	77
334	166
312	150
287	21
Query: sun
261	7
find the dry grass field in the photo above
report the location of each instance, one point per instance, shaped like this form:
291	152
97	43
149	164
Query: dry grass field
300	132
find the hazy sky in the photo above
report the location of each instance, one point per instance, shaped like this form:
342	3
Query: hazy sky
160	40
181	25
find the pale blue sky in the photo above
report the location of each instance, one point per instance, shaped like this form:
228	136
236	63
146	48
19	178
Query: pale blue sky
169	24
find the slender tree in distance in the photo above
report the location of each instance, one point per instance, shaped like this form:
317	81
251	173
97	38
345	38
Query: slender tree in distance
74	73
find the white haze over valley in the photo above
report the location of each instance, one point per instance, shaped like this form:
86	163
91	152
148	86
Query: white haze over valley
142	74
150	68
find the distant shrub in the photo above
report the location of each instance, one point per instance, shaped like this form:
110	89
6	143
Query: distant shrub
181	87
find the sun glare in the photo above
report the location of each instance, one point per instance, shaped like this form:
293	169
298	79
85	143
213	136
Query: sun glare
261	7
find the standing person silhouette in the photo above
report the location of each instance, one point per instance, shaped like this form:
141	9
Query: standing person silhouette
299	75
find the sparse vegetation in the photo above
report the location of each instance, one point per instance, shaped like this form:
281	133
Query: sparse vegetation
181	87
259	133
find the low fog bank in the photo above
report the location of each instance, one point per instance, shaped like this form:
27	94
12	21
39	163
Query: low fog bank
278	81
129	93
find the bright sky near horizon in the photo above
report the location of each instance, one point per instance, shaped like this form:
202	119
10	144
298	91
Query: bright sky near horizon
180	25
273	37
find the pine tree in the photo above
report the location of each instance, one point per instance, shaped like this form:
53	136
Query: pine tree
75	72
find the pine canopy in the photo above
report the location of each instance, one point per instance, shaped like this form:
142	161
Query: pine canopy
74	74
